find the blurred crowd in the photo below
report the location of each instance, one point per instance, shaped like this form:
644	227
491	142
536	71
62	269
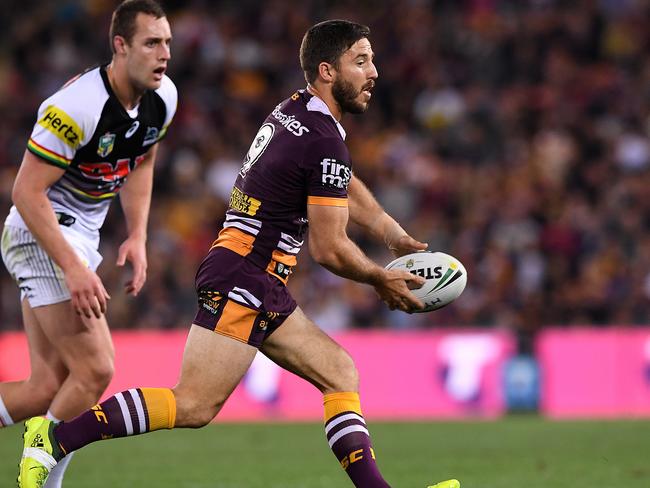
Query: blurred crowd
510	134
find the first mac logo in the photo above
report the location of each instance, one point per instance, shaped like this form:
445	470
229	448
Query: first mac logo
61	125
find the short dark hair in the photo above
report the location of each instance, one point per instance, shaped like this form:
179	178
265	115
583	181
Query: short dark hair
123	21
326	42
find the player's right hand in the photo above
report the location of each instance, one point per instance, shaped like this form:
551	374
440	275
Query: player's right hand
87	292
394	289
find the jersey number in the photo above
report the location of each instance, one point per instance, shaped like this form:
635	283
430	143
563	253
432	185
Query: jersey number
259	145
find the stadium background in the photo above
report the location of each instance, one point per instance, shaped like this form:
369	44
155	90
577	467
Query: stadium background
511	134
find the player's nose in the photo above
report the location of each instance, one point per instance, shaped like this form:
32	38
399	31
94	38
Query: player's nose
165	52
373	73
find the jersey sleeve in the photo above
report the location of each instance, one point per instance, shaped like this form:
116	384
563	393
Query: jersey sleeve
62	126
169	94
328	170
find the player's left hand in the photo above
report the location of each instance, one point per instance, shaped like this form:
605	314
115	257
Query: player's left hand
134	251
406	245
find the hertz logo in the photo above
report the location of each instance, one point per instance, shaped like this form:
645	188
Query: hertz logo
61	125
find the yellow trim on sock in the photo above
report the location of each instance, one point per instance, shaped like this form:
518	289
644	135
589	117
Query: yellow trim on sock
161	408
336	403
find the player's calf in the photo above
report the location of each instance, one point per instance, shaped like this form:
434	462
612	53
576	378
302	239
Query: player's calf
193	410
24	399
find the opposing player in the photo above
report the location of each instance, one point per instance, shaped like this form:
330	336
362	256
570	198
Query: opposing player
99	130
297	172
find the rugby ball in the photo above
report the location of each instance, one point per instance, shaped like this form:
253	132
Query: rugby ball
446	277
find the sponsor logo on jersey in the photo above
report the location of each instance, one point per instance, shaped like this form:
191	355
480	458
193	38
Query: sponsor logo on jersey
132	129
150	136
210	300
62	126
336	173
106	144
289	121
243	203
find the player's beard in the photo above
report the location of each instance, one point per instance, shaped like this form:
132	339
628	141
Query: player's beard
346	96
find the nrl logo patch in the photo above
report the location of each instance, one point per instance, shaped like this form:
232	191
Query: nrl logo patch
409	264
106	143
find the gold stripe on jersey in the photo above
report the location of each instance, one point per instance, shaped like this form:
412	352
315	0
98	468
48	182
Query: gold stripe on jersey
235	240
50	156
103	196
243	203
236	321
163	132
62	126
327	201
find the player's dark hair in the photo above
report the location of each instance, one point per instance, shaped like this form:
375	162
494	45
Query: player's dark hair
326	42
123	21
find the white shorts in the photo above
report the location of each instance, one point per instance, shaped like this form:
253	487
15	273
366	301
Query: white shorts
39	278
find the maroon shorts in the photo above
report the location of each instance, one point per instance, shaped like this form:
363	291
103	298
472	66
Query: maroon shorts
238	299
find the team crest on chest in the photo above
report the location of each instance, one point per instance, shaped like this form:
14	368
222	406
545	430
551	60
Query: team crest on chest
106	144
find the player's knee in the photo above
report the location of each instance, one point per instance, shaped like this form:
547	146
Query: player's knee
102	374
96	375
346	375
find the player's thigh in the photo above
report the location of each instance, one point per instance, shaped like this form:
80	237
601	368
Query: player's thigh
83	344
301	347
213	365
47	368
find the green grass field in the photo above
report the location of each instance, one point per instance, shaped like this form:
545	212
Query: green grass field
517	452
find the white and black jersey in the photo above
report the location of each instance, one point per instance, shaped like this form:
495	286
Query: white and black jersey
84	129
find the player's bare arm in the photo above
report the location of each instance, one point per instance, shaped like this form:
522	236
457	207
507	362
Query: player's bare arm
331	247
135	199
29	194
366	211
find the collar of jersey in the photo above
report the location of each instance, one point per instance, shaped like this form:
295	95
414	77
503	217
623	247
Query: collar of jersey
315	104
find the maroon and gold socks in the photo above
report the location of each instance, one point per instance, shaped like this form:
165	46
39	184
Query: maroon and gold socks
130	412
349	439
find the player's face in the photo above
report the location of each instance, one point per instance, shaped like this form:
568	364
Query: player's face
149	51
356	77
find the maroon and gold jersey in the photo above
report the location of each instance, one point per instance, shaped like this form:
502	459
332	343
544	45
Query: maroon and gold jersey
298	157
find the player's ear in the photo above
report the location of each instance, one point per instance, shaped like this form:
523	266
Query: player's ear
119	45
326	72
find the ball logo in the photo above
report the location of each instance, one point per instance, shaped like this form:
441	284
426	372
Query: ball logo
427	273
